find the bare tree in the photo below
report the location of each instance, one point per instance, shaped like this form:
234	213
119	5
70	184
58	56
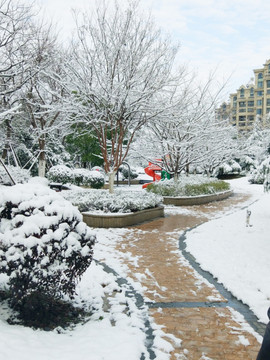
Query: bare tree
121	67
15	32
43	94
188	134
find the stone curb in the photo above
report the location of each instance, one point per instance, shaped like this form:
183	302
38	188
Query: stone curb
122	220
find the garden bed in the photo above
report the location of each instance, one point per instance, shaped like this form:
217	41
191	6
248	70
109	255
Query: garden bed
115	220
196	200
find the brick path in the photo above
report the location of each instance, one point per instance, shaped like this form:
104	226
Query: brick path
177	294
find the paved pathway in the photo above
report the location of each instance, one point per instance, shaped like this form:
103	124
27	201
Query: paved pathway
179	299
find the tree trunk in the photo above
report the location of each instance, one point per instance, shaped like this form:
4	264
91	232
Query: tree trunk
42	159
111	181
41	167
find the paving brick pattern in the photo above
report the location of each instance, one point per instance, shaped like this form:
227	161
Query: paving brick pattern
167	278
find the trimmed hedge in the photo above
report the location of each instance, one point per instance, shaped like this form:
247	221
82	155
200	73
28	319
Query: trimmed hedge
182	187
62	174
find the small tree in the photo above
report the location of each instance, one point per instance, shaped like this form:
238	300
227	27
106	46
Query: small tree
121	63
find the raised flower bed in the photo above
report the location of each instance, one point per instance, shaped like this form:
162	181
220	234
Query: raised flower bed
102	209
191	190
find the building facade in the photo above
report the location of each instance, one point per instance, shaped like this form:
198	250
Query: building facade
249	102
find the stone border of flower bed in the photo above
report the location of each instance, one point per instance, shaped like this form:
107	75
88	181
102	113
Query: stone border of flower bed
114	220
196	200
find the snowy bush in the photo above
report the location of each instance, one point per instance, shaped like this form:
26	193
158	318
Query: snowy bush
120	201
44	245
60	174
124	171
229	168
63	174
257	176
192	185
19	175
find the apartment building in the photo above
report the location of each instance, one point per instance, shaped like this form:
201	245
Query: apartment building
249	101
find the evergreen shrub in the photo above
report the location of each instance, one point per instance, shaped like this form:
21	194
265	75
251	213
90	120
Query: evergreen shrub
62	174
188	186
44	248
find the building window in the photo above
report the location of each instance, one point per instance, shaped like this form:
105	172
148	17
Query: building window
242	110
259	102
251	92
268	68
250	103
259	93
260	84
251	118
268	84
242	93
268	92
259	111
267	110
242	118
242	104
268	102
250	110
260	75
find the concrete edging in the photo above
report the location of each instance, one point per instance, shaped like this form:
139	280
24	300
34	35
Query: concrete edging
196	200
122	220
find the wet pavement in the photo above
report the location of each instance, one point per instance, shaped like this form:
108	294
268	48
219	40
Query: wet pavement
180	298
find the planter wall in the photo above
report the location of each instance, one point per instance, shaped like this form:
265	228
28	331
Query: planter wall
122	220
196	200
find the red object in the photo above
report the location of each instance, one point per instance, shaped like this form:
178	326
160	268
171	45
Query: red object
151	171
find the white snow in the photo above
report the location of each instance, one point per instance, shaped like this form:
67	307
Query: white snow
237	255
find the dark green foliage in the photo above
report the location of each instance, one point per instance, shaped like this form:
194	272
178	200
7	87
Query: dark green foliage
38	310
84	146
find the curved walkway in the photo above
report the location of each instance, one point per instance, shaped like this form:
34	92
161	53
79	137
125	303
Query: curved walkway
182	300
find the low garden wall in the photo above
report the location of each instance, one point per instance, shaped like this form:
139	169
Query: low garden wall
122	220
196	200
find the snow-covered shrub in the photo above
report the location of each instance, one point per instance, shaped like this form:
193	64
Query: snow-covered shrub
120	201
19	175
229	168
60	174
124	171
192	185
257	176
44	245
247	163
96	180
63	174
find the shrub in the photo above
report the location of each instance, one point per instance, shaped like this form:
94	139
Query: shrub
204	189
85	177
44	246
19	175
188	186
120	201
124	171
257	176
60	174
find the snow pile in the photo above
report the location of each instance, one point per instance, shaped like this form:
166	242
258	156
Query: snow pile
120	201
44	245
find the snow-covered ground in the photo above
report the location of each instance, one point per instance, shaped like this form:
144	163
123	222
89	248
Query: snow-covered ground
236	254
